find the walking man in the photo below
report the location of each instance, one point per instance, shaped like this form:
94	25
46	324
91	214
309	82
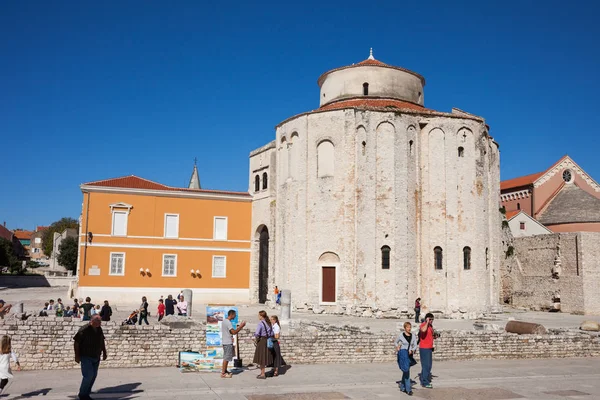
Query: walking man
426	350
89	345
227	333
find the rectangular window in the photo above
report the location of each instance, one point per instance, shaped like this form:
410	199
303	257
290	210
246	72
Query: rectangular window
220	229
38	240
522	226
117	264
219	267
172	226
169	265
119	223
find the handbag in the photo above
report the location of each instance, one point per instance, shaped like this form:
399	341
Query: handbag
269	343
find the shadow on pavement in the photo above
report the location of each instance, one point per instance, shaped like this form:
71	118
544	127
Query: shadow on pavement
39	392
121	392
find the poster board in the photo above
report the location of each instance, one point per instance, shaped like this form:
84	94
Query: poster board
212	359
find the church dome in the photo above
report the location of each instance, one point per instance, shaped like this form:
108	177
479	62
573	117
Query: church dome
371	78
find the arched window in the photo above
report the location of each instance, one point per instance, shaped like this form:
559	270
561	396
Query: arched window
461	151
467	257
365	89
518	206
438	257
265	182
256	183
325	159
385	257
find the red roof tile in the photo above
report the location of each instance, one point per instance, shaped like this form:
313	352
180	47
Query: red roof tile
23	235
135	182
365	102
520	181
510	214
41	228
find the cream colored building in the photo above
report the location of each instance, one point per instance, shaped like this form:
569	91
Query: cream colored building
373	200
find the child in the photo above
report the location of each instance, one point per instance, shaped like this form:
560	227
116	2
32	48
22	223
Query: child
161	309
406	345
60	308
68	312
5	355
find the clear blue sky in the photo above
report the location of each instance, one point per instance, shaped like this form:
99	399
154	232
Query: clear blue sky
94	90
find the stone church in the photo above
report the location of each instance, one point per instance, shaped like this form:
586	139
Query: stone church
373	200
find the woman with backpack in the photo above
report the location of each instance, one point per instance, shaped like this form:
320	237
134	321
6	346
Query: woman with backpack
262	338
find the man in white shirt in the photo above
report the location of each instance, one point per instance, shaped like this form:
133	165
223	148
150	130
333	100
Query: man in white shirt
227	333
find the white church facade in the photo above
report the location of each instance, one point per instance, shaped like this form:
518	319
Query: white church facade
373	200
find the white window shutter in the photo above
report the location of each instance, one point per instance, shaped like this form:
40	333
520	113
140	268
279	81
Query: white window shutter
119	223
172	226
220	228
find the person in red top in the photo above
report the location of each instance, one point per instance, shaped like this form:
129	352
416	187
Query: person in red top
161	309
426	350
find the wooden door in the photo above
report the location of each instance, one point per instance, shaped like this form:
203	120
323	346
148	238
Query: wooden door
328	290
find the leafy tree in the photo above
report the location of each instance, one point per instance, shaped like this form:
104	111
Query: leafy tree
67	253
58	226
8	258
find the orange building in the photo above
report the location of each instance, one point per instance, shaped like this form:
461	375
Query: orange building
142	238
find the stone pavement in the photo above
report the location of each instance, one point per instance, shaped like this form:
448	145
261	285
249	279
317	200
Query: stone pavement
472	380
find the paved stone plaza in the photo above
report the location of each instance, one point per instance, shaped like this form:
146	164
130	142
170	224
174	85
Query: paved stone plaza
34	299
473	380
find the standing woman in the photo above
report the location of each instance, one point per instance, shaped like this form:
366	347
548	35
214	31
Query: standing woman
144	311
262	354
278	361
106	311
6	354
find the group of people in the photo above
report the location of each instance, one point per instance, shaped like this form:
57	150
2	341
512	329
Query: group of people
166	307
406	347
266	339
79	309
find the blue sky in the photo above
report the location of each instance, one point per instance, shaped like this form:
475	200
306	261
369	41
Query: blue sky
93	90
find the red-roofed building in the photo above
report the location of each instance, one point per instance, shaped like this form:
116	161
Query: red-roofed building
140	237
563	198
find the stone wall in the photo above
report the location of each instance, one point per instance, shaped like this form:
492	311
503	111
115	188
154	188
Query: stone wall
46	343
573	259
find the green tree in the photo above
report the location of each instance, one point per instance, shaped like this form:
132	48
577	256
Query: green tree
67	253
8	258
58	226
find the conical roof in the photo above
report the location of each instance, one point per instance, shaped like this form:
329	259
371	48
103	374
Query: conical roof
195	179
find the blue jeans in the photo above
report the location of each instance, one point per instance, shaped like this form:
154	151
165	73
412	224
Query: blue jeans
89	370
405	382
426	361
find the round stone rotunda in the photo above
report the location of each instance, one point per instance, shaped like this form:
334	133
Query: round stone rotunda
373	200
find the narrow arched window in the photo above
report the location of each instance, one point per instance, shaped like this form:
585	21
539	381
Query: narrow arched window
410	147
467	257
438	257
385	257
365	89
256	183
518	206
461	152
265	182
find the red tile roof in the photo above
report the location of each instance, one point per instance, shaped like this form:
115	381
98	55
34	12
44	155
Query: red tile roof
23	235
41	228
370	63
510	214
135	182
520	181
365	102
